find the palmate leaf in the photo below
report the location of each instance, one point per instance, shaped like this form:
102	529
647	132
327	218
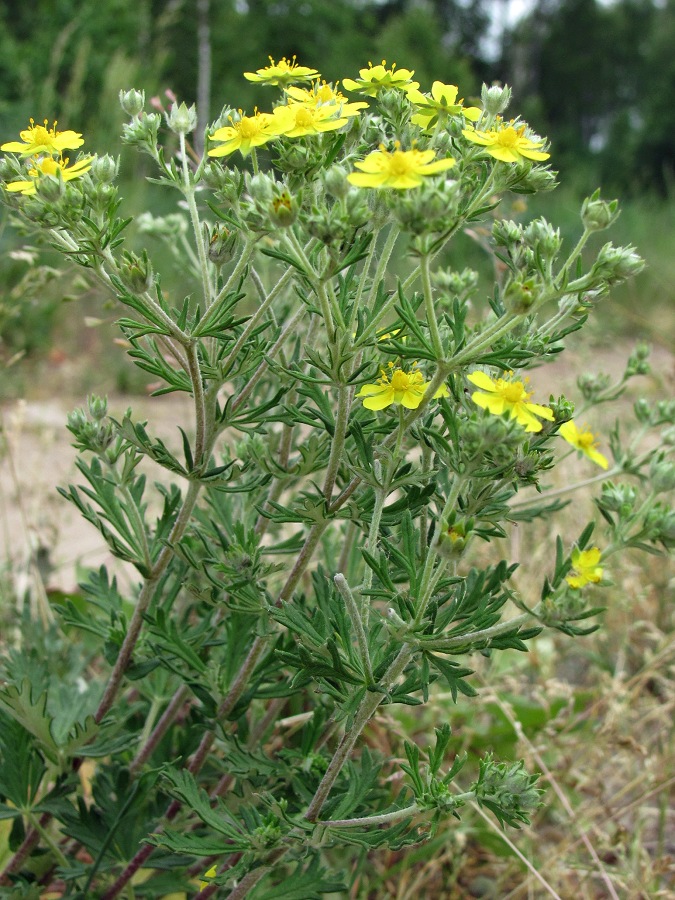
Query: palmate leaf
28	707
21	766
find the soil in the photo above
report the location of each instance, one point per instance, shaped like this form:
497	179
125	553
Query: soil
44	537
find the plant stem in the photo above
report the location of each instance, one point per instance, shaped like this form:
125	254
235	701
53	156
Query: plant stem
255	318
189	194
264	365
368	706
357	624
382	264
144	598
339	437
432	321
381	819
166	720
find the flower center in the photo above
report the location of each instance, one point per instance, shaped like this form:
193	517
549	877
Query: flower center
508	137
49	166
399	164
325	94
512	391
585	439
304	117
248	127
400	380
41	135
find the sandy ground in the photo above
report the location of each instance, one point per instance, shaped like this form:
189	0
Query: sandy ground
44	537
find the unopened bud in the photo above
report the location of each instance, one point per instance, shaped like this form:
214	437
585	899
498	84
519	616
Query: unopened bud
598	214
283	210
335	180
507	233
261	188
616	264
222	245
662	474
182	119
142	130
495	99
104	169
617	498
132	102
137	272
519	296
543	237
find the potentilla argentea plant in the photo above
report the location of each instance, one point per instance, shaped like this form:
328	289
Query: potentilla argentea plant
362	425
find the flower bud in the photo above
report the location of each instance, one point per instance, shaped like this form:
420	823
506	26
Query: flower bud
537	180
142	130
660	522
662	473
454	537
642	410
335	181
171	226
181	119
617	498
591	384
616	264
543	238
132	102
51	189
9	169
357	211
104	169
283	210
495	99
519	296
222	245
261	188
598	214
507	233
638	361
227	182
563	409
668	437
459	283
137	272
98	407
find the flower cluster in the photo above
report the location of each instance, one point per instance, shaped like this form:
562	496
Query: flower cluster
43	147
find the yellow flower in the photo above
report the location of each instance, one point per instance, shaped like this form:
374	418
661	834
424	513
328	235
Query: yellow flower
508	395
41	139
585	567
212	872
442	103
402	169
307	120
325	94
583	441
378	78
507	143
57	168
398	386
282	73
249	132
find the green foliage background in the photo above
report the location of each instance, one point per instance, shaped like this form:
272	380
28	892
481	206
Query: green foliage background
598	78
